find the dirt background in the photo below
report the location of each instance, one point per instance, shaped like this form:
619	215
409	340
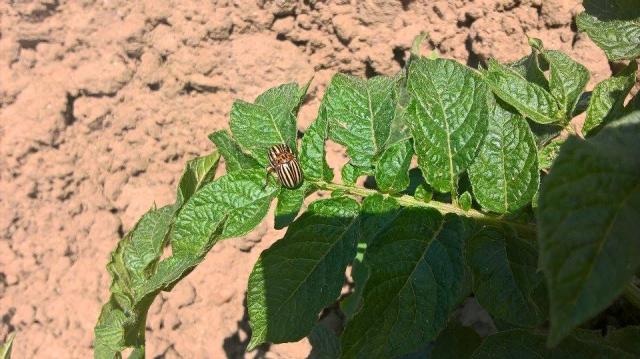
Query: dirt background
102	102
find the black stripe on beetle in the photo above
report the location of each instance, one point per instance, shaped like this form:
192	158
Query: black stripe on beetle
285	164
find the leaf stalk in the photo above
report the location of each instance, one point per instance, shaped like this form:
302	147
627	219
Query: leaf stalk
525	229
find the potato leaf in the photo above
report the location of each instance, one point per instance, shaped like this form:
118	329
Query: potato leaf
588	213
392	170
303	272
448	119
528	98
270	120
359	114
234	159
614	25
416	271
505	176
607	99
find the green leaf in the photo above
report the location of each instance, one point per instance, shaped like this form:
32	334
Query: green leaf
234	159
504	175
324	343
522	344
416	270
504	269
607	99
240	199
300	274
360	113
198	172
528	67
614	25
122	319
465	201
455	342
567	80
528	98
351	173
448	113
289	204
270	120
392	170
5	348
423	193
312	150
548	153
588	213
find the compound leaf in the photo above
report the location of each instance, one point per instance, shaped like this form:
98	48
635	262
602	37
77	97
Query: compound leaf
588	213
270	120
300	274
392	170
607	99
359	113
234	159
528	98
504	269
505	175
448	119
416	270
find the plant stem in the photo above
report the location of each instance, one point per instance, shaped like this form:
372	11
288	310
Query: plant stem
525	229
632	294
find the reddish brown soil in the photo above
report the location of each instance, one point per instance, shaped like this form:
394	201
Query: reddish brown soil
102	102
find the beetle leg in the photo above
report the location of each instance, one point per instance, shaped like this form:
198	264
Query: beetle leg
266	179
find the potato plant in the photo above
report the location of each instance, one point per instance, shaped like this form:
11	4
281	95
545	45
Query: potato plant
538	226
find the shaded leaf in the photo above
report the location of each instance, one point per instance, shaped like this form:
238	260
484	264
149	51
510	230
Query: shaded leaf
234	159
289	204
504	269
528	98
607	99
455	342
448	113
303	272
359	113
270	120
324	343
626	339
504	175
522	344
588	213
392	170
416	270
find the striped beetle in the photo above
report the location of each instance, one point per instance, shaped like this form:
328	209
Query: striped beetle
285	164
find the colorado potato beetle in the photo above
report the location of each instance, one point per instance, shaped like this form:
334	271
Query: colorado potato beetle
286	166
